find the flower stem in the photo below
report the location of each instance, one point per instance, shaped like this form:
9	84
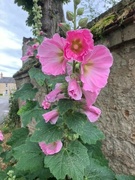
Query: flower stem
75	7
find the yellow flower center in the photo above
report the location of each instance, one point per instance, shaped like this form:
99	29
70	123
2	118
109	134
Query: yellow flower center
87	67
76	46
61	57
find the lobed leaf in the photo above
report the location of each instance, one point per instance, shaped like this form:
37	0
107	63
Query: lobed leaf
29	157
124	177
97	172
64	105
46	132
88	131
26	92
70	161
35	113
37	74
18	137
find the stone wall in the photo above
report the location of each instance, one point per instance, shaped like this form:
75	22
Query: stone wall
117	100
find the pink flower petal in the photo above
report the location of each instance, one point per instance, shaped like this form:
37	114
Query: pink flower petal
51	116
74	90
79	42
52	148
92	113
46	105
51	55
95	68
1	136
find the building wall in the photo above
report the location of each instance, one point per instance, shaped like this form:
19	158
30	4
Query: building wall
7	89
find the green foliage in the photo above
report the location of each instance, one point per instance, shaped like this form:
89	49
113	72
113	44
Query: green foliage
124	177
13	108
29	156
42	133
37	74
18	137
35	113
2	175
87	131
71	161
97	172
27	91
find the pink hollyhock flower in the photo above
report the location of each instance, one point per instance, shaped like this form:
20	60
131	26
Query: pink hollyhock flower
90	97
78	44
91	112
95	68
51	116
46	105
51	55
54	95
52	148
1	136
74	89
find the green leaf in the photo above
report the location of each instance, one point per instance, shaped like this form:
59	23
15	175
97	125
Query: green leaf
46	132
3	175
18	137
26	92
64	105
35	113
97	172
36	73
55	79
124	177
29	157
95	152
88	131
70	161
28	106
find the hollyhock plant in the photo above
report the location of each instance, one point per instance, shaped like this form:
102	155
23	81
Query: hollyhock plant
52	148
1	136
95	68
51	55
92	112
74	89
51	116
78	43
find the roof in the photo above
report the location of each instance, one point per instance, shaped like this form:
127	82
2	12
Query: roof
7	80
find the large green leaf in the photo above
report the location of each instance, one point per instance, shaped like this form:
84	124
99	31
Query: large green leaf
64	105
124	177
26	92
97	172
88	131
55	79
95	152
35	113
29	157
70	161
18	137
3	175
46	132
36	73
27	107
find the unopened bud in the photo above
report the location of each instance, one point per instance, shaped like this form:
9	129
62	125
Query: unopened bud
80	11
77	2
83	22
65	27
69	15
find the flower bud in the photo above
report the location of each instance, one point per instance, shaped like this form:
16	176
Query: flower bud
80	11
77	2
65	27
83	22
69	16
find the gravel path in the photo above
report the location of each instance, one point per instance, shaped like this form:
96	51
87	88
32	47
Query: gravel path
4	107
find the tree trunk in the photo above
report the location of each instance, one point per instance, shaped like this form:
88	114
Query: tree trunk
52	11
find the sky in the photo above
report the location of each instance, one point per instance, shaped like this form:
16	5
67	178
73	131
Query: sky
12	31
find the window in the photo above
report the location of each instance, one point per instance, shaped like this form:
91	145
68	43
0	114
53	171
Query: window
6	85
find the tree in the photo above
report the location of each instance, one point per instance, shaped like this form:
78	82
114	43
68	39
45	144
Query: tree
52	14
